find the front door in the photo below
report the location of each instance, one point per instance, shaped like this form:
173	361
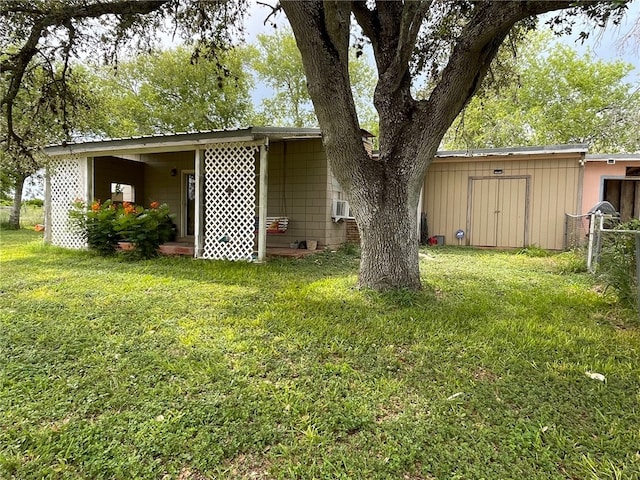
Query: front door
497	212
188	203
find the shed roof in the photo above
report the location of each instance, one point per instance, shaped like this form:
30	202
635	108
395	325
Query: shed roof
535	150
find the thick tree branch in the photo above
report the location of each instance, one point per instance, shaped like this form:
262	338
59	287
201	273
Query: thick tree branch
471	58
367	19
412	17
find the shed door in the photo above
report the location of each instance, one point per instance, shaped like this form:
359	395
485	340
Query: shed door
498	212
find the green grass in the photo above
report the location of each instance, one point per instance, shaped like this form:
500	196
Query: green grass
181	369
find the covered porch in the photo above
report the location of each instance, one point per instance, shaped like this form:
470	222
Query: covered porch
217	186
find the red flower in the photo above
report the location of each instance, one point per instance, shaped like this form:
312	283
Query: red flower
155	205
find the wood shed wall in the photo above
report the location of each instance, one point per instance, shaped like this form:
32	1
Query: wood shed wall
507	201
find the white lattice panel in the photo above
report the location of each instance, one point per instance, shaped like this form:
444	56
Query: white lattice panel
67	180
229	201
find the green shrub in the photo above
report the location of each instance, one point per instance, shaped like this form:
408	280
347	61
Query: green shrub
617	267
34	202
104	225
147	229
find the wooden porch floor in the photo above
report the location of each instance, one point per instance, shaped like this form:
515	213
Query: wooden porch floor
187	248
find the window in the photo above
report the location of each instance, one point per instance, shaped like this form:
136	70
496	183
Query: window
121	192
632	172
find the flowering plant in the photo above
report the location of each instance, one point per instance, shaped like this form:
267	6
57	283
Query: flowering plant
105	224
96	222
146	228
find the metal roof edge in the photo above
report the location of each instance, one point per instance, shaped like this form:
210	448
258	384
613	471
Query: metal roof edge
143	141
287	131
602	157
504	151
139	142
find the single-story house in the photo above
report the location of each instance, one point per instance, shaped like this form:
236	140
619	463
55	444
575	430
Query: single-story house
233	193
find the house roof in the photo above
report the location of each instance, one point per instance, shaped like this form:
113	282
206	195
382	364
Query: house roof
179	141
610	157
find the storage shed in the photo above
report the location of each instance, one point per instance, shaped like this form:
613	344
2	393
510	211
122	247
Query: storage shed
505	198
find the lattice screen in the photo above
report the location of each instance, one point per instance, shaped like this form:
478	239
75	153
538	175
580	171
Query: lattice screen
67	183
230	197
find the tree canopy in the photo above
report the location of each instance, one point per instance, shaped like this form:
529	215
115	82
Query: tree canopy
168	91
278	63
557	96
42	33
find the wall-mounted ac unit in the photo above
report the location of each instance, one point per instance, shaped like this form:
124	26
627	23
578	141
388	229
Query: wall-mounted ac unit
340	210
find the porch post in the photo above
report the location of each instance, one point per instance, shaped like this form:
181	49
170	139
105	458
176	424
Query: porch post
199	213
90	178
47	205
262	202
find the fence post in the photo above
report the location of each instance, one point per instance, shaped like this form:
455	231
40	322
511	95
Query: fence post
638	268
590	243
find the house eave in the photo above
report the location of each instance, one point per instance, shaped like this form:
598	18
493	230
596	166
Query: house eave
514	151
177	142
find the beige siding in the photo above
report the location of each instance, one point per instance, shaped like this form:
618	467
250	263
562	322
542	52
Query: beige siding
301	188
108	170
551	191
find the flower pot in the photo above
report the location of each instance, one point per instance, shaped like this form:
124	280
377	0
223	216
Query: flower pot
312	244
126	246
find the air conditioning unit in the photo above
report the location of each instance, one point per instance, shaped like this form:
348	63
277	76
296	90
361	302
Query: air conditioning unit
340	210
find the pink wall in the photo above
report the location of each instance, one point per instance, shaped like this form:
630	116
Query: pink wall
594	173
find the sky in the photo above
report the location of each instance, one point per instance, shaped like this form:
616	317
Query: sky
609	44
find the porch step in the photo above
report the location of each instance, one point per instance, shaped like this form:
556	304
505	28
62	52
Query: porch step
186	248
177	248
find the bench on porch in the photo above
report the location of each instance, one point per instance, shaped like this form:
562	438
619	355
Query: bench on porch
275	225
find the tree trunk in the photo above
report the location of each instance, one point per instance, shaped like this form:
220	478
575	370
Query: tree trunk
14	215
389	240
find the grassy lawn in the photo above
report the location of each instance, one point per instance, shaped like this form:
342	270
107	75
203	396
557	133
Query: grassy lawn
182	369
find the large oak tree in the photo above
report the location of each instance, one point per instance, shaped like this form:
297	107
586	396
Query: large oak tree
449	44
